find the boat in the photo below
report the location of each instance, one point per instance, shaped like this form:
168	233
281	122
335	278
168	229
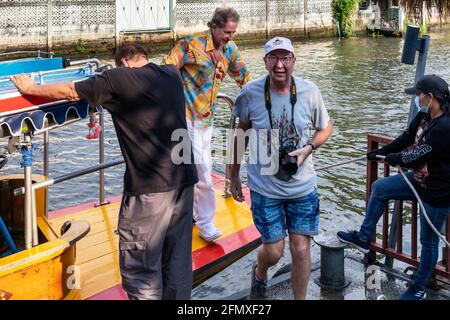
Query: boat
387	21
72	253
34	61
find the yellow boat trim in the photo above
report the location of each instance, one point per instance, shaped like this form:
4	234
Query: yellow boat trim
32	256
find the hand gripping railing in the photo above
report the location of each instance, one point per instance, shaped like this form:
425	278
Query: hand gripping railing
86	67
232	127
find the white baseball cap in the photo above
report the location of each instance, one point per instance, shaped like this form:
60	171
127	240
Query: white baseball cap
278	43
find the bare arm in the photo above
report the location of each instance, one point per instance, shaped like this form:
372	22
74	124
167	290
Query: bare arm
235	166
58	91
321	136
239	154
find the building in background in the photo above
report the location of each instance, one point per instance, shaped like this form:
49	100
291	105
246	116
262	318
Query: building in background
100	25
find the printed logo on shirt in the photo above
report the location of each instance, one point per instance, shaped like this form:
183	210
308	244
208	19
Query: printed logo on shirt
420	151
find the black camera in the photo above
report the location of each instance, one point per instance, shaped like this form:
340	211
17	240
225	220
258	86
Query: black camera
287	164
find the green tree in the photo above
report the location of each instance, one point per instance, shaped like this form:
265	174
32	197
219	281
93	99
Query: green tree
79	46
342	13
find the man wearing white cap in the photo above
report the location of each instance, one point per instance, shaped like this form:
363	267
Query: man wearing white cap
279	109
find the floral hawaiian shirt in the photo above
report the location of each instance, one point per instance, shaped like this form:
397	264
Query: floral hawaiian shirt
202	76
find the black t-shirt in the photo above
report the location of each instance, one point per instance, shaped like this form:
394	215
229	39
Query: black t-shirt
428	154
146	105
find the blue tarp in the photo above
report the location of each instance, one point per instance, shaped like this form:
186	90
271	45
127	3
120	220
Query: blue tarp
27	65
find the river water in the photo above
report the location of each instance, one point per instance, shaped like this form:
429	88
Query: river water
361	81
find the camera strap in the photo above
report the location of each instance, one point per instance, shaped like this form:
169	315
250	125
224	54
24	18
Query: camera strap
293	98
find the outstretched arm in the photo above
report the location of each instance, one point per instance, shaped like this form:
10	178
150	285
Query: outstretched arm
436	144
58	91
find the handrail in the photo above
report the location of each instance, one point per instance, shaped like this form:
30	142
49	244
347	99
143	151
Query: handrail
43	73
38	53
227	99
95	61
69	176
232	127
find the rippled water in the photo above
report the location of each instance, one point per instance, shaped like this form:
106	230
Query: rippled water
361	81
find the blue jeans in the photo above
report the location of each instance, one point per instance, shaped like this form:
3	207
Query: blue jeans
273	216
395	188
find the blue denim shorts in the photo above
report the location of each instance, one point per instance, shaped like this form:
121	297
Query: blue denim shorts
273	216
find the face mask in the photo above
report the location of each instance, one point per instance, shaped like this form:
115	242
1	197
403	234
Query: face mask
419	107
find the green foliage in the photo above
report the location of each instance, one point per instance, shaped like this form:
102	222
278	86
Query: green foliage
423	28
406	23
342	13
79	47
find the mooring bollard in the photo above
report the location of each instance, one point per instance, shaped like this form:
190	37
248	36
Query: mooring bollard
332	275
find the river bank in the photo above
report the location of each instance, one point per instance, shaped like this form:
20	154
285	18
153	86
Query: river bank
99	26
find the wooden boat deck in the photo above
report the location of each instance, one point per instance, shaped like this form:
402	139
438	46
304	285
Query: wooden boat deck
97	253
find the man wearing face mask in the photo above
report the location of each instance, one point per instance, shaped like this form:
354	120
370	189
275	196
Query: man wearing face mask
278	111
204	60
425	148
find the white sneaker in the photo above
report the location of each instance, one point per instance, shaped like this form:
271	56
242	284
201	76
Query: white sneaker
210	235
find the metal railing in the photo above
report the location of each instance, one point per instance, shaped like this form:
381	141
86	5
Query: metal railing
95	61
88	66
29	190
232	126
392	240
37	52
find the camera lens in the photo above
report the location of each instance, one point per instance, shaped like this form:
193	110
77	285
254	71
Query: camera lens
290	164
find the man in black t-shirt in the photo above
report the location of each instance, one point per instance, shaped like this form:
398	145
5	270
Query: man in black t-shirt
146	102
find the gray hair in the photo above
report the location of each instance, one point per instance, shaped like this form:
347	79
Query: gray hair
222	15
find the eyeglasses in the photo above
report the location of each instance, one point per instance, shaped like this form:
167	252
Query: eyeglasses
286	60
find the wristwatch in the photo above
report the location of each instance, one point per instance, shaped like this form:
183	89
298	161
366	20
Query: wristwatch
313	147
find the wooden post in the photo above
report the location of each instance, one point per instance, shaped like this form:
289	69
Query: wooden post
49	25
305	13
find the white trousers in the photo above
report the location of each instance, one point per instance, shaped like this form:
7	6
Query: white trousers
204	192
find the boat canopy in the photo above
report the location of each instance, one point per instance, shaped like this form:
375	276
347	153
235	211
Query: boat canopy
39	114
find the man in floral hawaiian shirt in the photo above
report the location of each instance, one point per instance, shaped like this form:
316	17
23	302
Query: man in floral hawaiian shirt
204	60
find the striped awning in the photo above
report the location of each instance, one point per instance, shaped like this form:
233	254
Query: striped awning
19	112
